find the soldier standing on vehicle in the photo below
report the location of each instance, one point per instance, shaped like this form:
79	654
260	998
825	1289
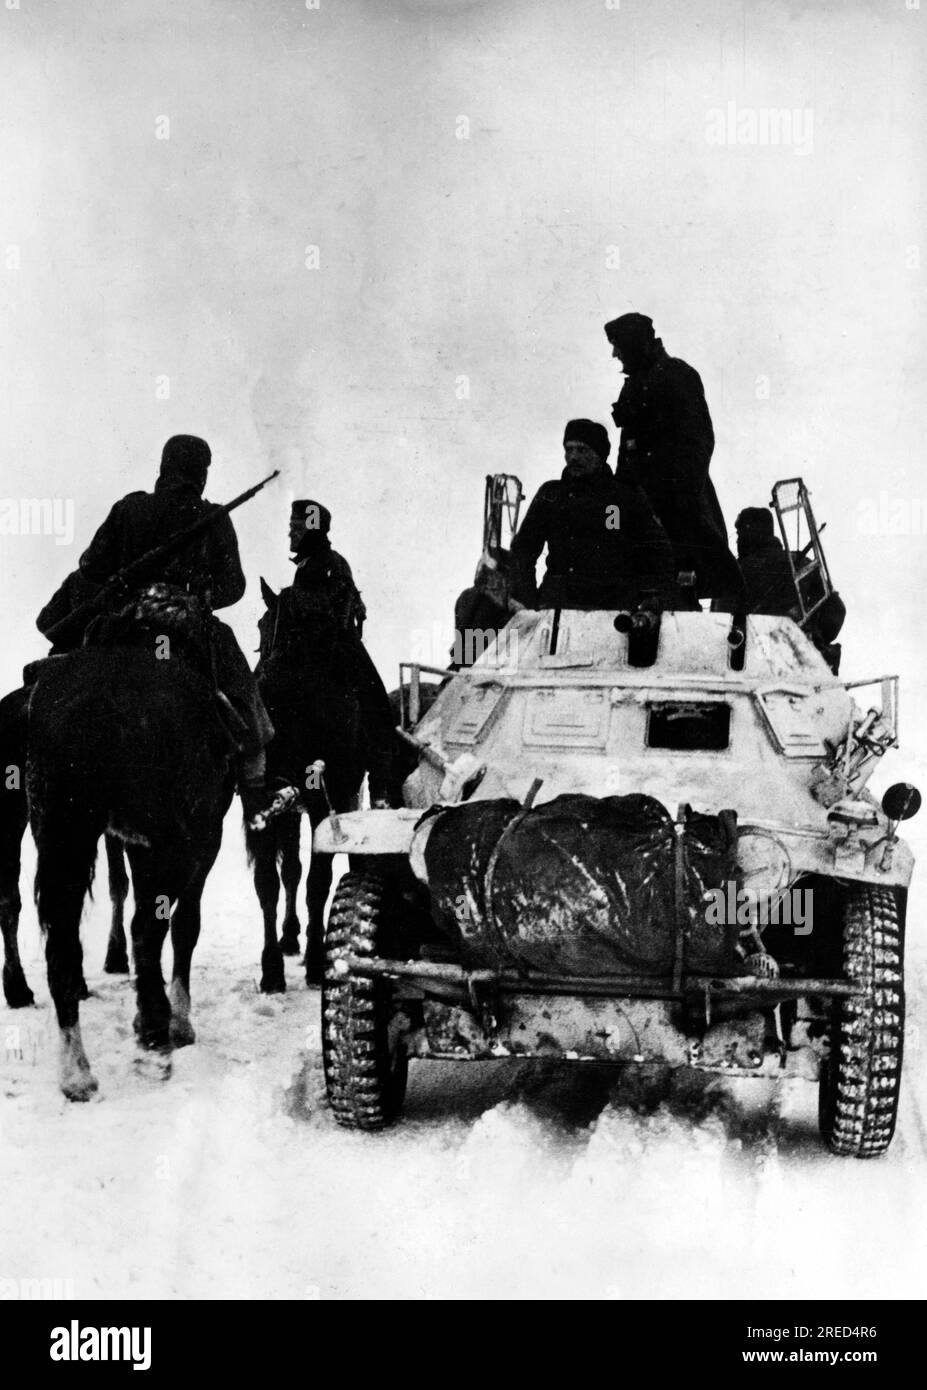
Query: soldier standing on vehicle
770	583
764	565
667	441
605	547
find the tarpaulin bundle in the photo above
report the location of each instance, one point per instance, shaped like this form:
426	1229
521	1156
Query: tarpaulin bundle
582	885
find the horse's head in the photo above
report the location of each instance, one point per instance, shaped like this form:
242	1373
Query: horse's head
267	622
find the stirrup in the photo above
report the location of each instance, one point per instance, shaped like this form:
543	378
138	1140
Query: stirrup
285	800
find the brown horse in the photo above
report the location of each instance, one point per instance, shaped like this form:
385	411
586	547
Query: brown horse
14	817
125	744
327	704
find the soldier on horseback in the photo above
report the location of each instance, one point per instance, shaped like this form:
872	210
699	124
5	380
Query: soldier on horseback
180	597
333	724
323	611
320	570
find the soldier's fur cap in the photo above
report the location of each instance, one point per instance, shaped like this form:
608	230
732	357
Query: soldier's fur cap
185	458
630	330
756	519
591	433
316	517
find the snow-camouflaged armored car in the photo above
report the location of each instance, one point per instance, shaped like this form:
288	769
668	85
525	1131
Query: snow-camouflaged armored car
622	844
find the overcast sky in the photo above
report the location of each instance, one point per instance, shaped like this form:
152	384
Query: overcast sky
484	185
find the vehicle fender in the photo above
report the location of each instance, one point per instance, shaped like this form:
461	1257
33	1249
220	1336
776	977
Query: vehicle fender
367	832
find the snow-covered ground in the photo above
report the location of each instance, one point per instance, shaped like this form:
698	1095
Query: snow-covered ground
505	1179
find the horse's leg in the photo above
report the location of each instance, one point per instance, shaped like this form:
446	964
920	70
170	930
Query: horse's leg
185	931
263	847
16	991
12	827
291	871
318	885
66	857
152	881
117	956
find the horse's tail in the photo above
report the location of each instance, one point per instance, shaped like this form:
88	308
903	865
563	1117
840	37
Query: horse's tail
257	842
67	856
253	840
66	834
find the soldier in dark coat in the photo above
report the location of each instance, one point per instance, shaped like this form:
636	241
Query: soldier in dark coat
209	566
208	570
605	548
321	570
325	601
771	586
73	590
764	565
666	445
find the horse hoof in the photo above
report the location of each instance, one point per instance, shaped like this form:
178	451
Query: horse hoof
153	1064
314	978
151	1037
182	1032
116	964
80	1087
289	945
16	992
273	979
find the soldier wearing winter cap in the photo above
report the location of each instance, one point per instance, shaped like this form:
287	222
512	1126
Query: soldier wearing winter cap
605	548
323	604
764	564
666	445
322	575
770	583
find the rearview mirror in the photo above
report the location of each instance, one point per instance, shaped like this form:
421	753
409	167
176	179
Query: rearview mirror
901	801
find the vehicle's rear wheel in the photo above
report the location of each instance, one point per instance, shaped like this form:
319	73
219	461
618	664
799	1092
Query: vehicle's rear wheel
860	1080
366	1065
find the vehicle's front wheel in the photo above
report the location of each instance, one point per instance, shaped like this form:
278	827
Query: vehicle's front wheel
366	1065
860	1080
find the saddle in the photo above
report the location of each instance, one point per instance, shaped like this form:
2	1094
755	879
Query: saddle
165	610
158	610
162	610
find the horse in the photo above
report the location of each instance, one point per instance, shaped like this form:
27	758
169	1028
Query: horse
123	743
327	704
14	817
